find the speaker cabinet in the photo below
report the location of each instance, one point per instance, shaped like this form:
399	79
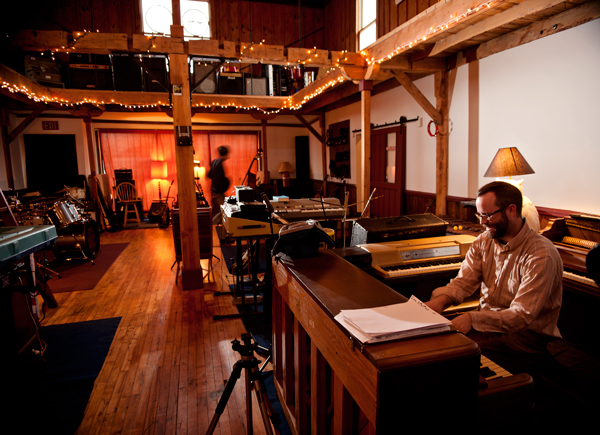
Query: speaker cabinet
156	210
231	83
204	231
128	74
200	69
158	80
43	71
255	85
90	71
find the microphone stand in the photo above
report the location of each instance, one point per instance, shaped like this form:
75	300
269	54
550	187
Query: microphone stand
250	167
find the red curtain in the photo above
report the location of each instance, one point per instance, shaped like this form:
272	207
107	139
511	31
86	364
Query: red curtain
135	149
242	149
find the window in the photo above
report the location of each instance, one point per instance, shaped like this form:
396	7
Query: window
195	17
367	23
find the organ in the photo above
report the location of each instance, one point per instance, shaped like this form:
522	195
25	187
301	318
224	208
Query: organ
329	383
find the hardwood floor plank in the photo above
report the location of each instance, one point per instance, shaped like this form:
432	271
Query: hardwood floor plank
167	366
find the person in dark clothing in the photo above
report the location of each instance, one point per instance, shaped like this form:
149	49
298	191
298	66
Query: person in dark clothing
220	183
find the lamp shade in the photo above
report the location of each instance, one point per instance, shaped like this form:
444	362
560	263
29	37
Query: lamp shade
158	170
285	167
508	162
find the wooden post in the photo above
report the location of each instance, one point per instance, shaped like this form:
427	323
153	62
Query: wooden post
4	123
191	275
92	158
323	151
441	143
263	163
364	165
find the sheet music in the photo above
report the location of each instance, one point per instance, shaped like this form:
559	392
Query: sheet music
391	322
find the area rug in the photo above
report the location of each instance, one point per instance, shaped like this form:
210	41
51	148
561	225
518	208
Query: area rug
82	274
48	394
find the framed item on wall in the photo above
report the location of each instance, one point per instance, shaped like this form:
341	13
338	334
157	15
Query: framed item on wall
338	141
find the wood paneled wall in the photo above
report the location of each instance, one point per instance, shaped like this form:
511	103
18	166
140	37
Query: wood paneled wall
340	25
390	15
276	24
122	16
332	27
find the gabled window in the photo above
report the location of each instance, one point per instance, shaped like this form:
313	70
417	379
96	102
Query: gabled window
158	17
366	23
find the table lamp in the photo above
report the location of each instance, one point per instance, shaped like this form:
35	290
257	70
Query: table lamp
284	169
508	162
158	170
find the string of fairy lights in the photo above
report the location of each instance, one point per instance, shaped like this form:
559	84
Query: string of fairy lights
452	21
305	57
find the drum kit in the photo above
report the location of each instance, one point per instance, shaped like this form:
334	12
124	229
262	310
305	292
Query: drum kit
78	233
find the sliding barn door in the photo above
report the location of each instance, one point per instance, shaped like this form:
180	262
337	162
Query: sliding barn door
388	157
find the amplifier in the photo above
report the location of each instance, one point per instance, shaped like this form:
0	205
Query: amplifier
156	210
201	67
90	71
157	66
256	85
43	71
244	194
128	74
231	83
405	227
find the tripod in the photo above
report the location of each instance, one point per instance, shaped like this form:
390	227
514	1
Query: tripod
250	363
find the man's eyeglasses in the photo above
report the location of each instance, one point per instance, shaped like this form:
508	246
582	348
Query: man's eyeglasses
488	216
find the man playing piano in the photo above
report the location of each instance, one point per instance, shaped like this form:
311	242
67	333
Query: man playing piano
520	274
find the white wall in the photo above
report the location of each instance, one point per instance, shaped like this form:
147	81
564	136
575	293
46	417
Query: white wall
541	97
68	126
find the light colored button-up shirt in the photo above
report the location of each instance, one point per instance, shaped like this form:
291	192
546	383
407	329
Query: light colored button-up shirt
521	284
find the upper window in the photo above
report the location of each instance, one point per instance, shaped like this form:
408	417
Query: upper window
367	19
195	16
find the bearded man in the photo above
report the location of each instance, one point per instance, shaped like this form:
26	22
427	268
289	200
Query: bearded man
520	276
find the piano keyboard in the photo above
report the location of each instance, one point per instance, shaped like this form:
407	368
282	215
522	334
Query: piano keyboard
398	270
579	278
490	370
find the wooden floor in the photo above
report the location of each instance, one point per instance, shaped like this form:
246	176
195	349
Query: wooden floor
165	371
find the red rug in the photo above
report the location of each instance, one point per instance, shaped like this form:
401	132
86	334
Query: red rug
82	274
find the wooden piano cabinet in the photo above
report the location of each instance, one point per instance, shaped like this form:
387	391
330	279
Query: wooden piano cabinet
328	383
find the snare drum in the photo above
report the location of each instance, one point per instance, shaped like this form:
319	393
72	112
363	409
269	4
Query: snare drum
63	214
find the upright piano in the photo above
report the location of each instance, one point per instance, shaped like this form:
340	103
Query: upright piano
329	383
574	236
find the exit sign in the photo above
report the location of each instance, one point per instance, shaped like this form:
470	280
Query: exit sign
49	125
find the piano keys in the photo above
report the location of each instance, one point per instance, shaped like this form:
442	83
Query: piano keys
309	208
501	393
252	218
418	256
574	237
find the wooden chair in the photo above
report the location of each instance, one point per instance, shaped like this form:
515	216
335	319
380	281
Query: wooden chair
127	197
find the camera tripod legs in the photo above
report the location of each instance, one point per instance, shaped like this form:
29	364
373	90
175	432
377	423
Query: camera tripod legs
252	379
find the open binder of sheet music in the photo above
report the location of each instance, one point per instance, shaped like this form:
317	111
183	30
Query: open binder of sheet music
392	322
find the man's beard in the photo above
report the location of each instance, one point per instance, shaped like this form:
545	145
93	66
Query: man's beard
498	230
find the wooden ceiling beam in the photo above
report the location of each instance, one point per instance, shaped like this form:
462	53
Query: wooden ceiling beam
517	12
310	128
565	20
24	124
407	83
412	32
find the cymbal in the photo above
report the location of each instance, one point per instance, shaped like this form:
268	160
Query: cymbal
63	190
